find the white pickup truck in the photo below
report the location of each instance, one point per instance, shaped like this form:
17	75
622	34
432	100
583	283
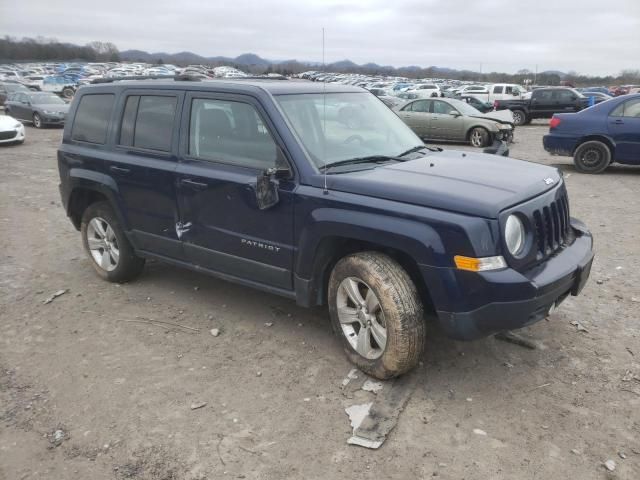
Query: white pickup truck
498	91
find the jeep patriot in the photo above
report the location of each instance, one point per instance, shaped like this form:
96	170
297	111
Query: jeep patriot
321	194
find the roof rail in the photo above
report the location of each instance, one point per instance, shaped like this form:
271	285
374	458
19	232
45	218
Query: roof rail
181	78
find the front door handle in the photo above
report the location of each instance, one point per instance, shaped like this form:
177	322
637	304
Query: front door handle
193	184
618	122
119	170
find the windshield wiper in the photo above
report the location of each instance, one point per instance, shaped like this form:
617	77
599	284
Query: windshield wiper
417	148
358	160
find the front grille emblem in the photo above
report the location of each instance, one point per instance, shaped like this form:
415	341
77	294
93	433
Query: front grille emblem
548	181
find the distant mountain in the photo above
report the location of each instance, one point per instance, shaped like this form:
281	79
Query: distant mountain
192	58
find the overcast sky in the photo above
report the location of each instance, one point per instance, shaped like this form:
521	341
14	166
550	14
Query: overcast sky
594	37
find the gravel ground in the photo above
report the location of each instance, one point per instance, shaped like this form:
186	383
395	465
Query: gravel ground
91	387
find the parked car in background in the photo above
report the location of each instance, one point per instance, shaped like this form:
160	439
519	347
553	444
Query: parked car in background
425	90
603	90
498	91
476	103
11	130
598	136
38	108
544	102
7	88
596	97
455	121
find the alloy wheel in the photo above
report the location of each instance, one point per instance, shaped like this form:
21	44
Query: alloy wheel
361	318
476	138
103	244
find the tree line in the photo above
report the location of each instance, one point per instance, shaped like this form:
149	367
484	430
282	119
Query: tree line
45	49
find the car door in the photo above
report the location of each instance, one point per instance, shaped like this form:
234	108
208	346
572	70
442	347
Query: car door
542	103
565	101
416	115
143	166
624	128
227	143
445	125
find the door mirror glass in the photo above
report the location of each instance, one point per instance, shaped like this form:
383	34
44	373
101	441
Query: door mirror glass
267	189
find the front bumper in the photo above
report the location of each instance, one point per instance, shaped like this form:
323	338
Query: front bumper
14	135
53	119
506	300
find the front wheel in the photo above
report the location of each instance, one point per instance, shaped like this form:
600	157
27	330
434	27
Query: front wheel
592	157
376	311
110	252
479	137
37	120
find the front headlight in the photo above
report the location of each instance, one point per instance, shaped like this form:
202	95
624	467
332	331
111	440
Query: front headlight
49	112
17	125
514	235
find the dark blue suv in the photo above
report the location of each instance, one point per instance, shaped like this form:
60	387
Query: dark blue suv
321	194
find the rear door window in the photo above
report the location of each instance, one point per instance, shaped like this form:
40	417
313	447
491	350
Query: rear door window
498	89
91	121
147	122
632	109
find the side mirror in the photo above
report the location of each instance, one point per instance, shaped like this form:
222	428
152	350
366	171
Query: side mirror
454	113
515	94
267	185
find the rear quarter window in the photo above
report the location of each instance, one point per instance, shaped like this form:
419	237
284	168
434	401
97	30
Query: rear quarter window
92	118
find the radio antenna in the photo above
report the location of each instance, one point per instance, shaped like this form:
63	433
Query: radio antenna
324	118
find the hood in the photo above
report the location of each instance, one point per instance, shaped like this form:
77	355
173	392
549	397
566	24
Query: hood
500	116
470	183
7	123
53	107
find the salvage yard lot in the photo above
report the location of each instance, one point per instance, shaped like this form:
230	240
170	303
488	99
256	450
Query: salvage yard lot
116	369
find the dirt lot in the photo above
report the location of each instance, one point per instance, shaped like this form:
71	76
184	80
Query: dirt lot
90	391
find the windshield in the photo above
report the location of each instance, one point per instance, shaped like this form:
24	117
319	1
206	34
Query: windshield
46	99
334	127
11	87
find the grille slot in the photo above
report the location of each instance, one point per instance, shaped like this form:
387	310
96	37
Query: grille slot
7	135
552	226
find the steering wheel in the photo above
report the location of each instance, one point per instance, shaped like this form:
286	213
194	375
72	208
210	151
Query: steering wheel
354	138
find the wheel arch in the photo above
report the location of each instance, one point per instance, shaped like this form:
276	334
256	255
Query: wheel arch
88	187
332	249
608	141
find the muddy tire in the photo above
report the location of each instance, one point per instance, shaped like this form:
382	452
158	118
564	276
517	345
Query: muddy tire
376	311
479	137
592	157
519	117
109	251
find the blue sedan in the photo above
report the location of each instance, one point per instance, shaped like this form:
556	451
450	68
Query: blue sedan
598	136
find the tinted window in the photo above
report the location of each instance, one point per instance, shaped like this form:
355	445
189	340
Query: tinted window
129	120
497	89
92	118
543	95
230	132
565	96
509	90
153	128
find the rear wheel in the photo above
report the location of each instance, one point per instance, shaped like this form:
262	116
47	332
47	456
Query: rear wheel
68	92
592	157
376	311
37	120
110	252
519	117
479	137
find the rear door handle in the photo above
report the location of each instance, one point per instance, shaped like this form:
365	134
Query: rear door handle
619	122
120	170
193	184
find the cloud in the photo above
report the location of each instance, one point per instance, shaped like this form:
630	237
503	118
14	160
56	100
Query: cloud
502	35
